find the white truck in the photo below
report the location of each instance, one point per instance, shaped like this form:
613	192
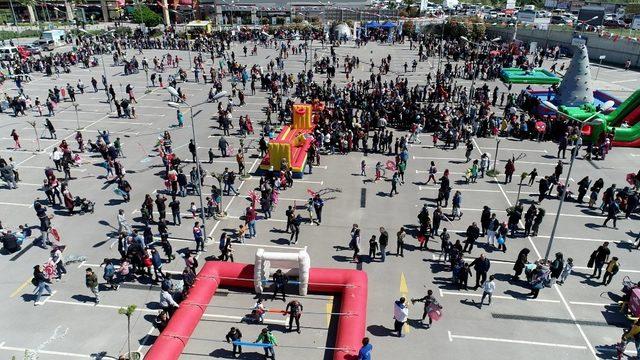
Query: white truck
51	39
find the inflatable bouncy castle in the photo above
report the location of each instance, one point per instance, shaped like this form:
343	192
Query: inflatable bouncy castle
292	143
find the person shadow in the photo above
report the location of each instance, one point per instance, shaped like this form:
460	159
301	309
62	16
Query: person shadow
379	330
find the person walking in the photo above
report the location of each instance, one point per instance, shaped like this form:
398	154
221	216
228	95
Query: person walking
234	335
430	304
400	235
280	280
56	259
612	268
566	271
355	244
294	309
598	258
383	241
41	282
318	204
612	213
250	218
520	263
167	303
509	169
488	287
432	173
295	229
400	315
481	266
91	281
123	224
394	184
472	233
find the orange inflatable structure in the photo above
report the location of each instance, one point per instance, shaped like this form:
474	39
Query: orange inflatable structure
351	285
292	143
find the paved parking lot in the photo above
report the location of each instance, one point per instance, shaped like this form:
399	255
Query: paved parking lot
578	320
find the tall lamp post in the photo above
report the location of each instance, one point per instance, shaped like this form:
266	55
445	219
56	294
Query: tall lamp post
174	93
441	44
574	152
104	69
473	76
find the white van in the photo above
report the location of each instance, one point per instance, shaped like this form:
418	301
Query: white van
8	52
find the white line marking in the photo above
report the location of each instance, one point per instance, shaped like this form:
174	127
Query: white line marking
47	352
480	190
16	204
591	304
456	293
524	342
144	339
48	298
521	150
45	167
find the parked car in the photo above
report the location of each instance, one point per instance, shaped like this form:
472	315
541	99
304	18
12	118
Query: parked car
33	49
560	20
615	24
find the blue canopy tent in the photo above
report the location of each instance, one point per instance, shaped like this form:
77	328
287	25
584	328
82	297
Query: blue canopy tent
388	25
372	25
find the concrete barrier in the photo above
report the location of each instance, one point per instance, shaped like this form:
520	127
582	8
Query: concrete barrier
617	52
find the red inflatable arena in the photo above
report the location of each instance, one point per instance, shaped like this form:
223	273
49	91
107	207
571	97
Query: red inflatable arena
350	285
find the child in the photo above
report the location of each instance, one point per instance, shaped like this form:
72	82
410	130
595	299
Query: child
310	210
566	271
593	197
242	229
210	156
363	167
193	209
378	171
166	247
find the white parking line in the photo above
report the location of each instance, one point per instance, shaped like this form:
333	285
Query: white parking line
45	352
45	167
152	311
592	304
463	190
16	204
523	342
48	298
522	150
503	297
255	178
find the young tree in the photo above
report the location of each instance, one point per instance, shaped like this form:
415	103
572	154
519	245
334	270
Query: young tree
128	311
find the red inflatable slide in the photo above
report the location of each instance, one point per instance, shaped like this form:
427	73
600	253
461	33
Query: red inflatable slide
350	285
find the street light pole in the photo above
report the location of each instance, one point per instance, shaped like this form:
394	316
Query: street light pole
440	47
174	93
75	106
495	158
574	151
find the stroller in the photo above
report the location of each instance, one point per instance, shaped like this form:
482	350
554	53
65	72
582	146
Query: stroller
85	205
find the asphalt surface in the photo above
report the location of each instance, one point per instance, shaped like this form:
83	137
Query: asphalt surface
578	320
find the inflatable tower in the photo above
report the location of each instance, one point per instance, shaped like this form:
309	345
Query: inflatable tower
576	87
